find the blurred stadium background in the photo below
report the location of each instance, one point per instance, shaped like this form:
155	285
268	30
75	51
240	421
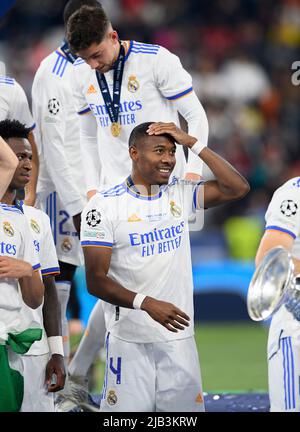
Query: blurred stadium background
240	54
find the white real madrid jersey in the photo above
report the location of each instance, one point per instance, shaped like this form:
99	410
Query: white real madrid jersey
13	102
153	77
57	132
150	253
40	229
283	213
16	242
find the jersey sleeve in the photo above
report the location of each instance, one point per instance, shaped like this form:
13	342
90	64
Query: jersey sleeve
80	101
47	254
283	213
50	105
19	108
191	194
171	78
96	224
30	254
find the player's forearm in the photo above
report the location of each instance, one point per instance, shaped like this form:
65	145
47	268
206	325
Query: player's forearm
51	309
102	286
32	290
193	112
8	165
230	182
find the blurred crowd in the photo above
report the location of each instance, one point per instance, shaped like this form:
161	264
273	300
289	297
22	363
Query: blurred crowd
240	54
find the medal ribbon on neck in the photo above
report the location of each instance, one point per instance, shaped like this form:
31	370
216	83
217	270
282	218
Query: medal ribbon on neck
113	104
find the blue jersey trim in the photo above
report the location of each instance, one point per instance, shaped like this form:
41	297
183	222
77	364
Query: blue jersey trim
96	243
86	110
144	197
36	267
177	96
32	127
50	270
274	227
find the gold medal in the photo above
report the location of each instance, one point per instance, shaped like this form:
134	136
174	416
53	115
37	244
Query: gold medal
115	129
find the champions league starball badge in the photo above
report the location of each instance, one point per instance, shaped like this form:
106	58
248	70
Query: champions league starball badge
93	218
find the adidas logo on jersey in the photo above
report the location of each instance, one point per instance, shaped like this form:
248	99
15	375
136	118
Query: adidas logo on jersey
91	89
134	218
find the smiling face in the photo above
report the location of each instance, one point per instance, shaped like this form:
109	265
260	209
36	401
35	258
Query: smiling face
102	56
22	149
153	159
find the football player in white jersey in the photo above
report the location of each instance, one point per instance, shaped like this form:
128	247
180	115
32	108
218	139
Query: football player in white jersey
119	84
8	165
14	105
61	185
16	244
138	259
283	229
45	357
154	85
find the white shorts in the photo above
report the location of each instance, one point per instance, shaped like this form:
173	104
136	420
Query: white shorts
284	363
152	377
36	397
65	236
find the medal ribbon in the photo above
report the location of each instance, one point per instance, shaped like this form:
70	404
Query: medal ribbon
113	105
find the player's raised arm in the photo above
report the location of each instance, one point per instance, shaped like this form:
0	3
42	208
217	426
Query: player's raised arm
229	184
8	165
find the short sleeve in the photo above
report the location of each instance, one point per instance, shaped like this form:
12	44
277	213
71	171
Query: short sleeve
30	254
283	213
171	78
96	226
47	254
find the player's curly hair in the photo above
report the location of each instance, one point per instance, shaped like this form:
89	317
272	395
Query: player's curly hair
13	129
86	26
140	132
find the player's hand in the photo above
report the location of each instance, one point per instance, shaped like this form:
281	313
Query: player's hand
14	268
178	134
55	373
77	222
168	315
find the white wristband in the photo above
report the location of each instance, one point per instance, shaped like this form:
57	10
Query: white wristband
138	300
197	147
56	345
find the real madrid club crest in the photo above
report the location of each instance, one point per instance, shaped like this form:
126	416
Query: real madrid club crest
8	229
112	397
66	245
175	209
133	84
35	226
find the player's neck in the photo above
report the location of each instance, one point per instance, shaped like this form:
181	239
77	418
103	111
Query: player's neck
9	197
142	186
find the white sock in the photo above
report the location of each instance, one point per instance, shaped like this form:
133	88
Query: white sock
91	343
63	293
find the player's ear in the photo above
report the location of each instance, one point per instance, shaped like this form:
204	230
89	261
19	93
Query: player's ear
133	153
